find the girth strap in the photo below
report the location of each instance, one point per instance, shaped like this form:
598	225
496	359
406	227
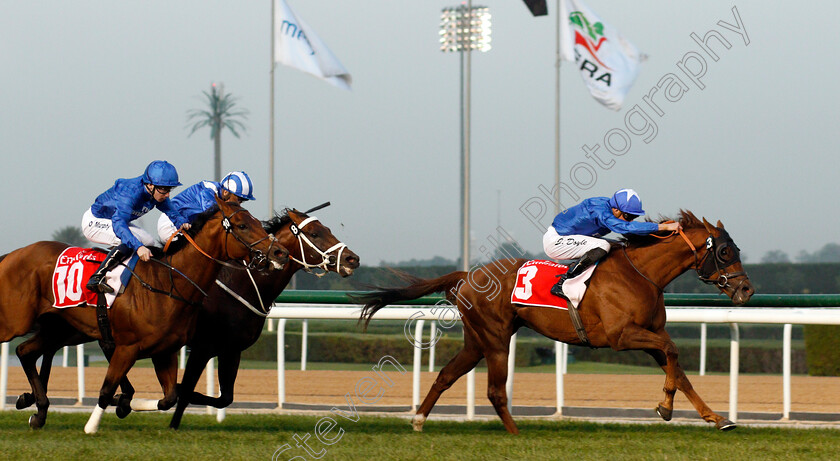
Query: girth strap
107	342
578	324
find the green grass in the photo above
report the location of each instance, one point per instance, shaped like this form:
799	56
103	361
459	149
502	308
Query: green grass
257	437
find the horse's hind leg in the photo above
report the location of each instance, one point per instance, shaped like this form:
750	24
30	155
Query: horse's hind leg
497	373
28	353
684	385
464	361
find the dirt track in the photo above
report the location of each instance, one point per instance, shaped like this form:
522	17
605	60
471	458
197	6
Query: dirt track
755	393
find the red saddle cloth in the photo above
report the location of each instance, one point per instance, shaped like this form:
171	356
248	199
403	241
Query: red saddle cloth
73	269
534	280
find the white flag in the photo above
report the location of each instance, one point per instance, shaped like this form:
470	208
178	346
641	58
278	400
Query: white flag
296	45
608	63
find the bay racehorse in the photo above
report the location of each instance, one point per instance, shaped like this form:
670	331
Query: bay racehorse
623	309
150	319
230	319
233	315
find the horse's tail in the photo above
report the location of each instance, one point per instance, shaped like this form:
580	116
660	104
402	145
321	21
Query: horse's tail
381	297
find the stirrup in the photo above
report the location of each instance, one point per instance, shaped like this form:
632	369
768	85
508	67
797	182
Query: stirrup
557	289
98	284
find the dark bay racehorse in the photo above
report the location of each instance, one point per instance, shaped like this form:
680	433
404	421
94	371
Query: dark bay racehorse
143	323
227	325
623	309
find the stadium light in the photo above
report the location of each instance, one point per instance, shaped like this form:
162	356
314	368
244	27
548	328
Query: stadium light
465	28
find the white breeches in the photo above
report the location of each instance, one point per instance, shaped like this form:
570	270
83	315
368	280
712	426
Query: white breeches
101	230
558	246
165	228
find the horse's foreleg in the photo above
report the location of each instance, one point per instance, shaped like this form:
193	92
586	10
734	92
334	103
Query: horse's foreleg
192	372
684	385
166	368
663	350
497	373
464	361
228	369
122	361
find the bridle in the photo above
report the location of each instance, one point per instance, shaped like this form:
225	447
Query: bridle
327	259
257	257
707	267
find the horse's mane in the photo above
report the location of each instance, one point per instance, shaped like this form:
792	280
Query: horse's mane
279	220
195	227
687	219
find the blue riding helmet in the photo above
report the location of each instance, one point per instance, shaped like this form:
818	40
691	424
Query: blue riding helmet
627	201
161	173
239	184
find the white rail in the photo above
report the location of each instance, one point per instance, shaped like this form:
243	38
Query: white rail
700	315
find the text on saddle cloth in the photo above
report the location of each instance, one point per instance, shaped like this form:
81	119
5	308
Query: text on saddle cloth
535	278
73	269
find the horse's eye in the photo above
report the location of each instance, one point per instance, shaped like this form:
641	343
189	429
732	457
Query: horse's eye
313	234
242	226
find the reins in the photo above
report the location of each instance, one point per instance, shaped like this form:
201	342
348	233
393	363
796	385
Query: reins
228	230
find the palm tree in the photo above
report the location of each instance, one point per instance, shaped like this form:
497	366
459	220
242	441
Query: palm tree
70	235
219	116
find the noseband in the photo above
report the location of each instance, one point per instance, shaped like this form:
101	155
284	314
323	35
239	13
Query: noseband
327	259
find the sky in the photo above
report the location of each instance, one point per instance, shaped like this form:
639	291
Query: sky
93	90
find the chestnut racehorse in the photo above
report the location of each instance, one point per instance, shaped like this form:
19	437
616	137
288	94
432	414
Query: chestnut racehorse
144	322
623	309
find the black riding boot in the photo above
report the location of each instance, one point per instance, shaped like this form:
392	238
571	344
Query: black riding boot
591	257
97	280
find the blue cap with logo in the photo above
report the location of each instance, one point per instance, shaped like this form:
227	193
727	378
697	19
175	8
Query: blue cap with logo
627	201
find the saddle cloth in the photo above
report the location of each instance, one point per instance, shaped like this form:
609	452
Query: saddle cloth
73	269
535	278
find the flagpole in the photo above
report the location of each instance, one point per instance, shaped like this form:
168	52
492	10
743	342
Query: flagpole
557	115
271	123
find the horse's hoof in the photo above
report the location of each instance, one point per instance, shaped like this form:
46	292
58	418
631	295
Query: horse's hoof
25	401
34	423
417	423
122	411
665	413
725	425
123	406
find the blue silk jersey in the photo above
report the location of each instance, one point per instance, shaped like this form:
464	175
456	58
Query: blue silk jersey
196	198
126	201
594	217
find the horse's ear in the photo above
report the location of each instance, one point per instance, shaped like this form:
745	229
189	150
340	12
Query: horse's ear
719	224
709	227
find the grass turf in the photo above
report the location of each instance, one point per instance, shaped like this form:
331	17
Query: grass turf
254	437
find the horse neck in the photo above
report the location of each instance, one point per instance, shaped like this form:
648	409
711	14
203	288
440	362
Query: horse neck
663	262
196	266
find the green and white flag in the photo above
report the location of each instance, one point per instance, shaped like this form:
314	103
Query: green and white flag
296	45
608	63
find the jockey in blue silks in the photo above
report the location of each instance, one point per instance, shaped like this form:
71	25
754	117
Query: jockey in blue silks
575	233
235	187
108	220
